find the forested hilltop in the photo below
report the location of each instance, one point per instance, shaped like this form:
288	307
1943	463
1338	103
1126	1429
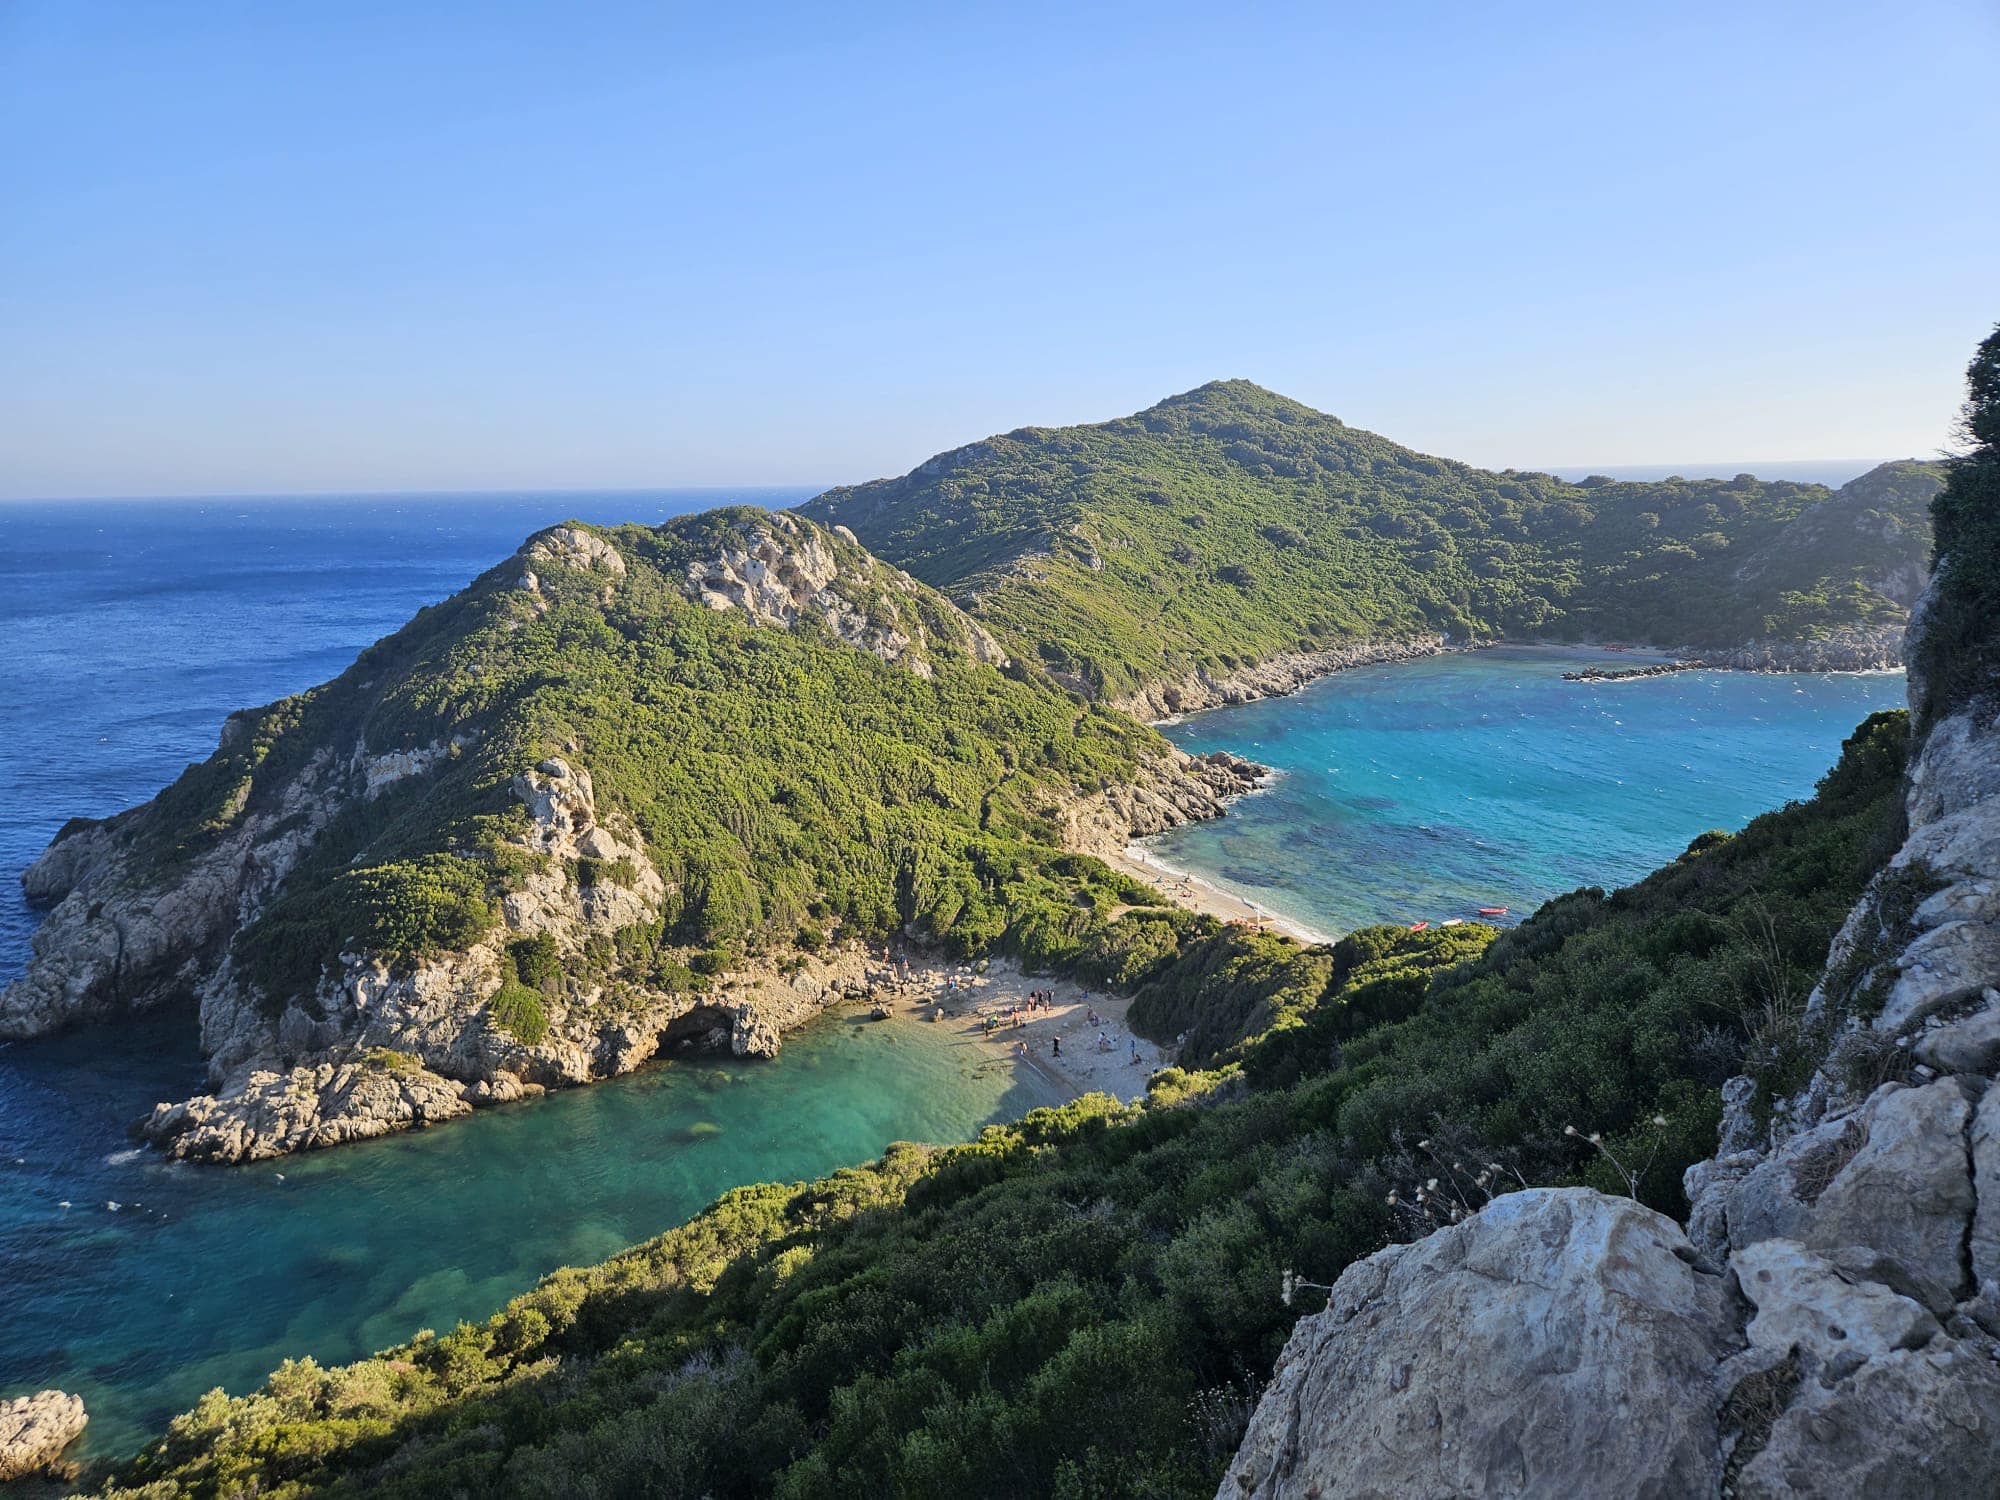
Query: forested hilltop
1228	525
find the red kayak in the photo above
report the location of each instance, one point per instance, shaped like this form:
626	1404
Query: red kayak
1418	926
1492	911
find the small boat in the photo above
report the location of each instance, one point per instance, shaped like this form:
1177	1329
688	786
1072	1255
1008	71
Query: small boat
1418	926
1492	911
1452	922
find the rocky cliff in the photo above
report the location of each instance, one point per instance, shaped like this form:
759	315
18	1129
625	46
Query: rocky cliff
1828	1324
35	1429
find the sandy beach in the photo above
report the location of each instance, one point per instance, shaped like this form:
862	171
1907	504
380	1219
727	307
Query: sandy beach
1200	895
964	1001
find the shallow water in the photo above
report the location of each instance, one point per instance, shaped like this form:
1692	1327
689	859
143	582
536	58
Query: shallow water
1420	791
208	1276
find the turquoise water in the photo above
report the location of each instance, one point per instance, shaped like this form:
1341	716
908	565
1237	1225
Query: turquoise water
1422	790
205	1276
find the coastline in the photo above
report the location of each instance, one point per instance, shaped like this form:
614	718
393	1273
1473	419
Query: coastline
1172	702
1284	676
1197	893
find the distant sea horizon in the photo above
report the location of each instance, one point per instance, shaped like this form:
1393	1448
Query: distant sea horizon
1831	472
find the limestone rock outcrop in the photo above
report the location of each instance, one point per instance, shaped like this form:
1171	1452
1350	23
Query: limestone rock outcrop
1859	648
1174	789
788	569
120	939
35	1429
1495	1358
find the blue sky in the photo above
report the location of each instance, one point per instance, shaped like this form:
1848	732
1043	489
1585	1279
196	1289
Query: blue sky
335	244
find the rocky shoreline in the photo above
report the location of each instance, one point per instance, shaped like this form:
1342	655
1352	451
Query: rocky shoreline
1274	677
1876	648
34	1431
1625	674
375	1049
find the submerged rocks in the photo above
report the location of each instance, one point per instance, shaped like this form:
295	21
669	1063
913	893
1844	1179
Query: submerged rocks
1559	1343
34	1430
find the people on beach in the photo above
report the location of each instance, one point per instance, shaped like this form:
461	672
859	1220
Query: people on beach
1055	1047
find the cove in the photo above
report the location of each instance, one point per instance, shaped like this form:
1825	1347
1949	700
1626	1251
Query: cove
1423	790
206	1276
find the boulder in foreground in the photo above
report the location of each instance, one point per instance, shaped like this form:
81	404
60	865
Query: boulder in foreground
34	1430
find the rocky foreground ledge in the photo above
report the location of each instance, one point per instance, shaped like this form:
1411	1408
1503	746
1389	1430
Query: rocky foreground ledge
34	1430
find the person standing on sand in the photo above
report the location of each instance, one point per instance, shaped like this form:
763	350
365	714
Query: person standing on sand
1055	1047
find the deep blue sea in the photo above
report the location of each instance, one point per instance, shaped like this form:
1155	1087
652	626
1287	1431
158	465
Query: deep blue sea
128	630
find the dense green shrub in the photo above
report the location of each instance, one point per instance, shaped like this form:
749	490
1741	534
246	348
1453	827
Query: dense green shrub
519	1011
1958	652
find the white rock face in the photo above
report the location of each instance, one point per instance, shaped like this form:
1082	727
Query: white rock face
1509	1355
34	1430
116	942
1806	1305
1893	1175
791	570
572	546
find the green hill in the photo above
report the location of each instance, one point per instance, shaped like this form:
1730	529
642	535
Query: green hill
1228	525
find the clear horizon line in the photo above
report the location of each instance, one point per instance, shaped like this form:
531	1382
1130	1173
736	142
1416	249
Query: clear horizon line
1743	466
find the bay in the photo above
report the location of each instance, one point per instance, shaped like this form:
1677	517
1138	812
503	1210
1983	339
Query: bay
1424	790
